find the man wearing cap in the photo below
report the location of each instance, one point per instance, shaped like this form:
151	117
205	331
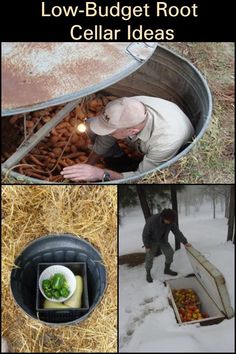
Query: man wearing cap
155	127
155	236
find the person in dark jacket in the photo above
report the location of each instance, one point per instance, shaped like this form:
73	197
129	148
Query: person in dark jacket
155	236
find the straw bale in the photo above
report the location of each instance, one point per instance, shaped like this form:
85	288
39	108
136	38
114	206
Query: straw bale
29	212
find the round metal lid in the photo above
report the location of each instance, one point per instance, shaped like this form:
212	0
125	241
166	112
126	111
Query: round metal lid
39	75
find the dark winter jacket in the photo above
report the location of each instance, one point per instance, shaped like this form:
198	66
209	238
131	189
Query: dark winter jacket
155	231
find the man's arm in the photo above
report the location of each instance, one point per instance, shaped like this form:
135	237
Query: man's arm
176	231
86	172
146	235
93	158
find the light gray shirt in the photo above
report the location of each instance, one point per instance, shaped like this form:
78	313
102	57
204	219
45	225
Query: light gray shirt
166	130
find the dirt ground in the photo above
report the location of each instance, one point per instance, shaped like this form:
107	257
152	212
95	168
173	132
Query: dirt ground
132	259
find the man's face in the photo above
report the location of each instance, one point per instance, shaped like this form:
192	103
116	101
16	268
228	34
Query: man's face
121	133
167	222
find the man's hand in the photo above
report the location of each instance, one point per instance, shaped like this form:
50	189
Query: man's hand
187	245
83	172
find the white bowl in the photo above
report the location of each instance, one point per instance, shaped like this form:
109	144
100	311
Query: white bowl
68	274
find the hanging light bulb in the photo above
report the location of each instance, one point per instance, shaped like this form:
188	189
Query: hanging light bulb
81	127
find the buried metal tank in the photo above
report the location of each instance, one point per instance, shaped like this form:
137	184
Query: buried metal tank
58	249
163	74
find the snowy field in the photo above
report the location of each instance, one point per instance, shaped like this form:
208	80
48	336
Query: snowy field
147	322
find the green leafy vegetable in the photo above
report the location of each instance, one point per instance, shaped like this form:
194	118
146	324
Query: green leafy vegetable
48	293
56	294
56	287
58	281
64	292
46	284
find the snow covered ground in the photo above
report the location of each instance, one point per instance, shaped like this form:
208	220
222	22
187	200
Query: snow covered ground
147	322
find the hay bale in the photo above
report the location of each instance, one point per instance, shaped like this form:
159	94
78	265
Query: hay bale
31	211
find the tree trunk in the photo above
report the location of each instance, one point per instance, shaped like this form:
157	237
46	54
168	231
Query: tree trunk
221	204
143	201
186	206
231	214
179	207
214	206
175	207
174	201
151	207
145	208
227	194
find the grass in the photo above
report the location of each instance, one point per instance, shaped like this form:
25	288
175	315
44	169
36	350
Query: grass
31	211
212	159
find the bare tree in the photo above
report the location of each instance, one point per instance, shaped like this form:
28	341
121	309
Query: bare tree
231	222
174	201
143	201
175	207
227	199
144	205
215	192
214	202
187	200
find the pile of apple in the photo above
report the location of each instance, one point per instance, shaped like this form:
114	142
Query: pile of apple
188	305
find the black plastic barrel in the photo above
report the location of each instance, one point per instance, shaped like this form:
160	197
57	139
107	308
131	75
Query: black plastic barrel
171	77
57	249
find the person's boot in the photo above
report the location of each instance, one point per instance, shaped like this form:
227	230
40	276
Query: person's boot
168	270
149	277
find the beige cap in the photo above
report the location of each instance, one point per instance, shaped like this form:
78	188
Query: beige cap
121	113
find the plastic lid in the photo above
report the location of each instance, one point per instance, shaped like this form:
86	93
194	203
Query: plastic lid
212	280
38	75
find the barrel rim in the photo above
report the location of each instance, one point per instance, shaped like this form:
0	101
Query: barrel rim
163	165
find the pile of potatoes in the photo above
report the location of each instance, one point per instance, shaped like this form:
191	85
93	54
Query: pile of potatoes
64	146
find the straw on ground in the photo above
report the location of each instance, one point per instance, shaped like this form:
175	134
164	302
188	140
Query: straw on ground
32	211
